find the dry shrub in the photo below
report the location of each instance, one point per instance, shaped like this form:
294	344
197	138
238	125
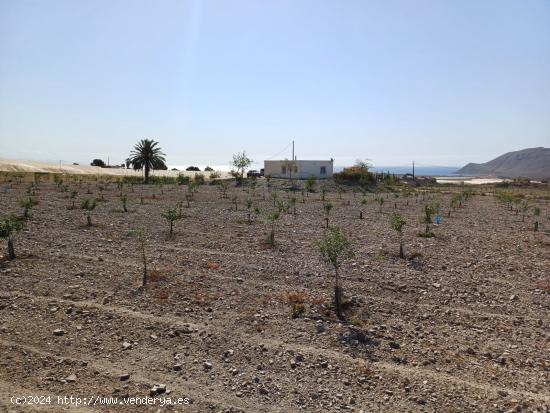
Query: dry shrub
213	266
543	285
297	310
161	295
296	297
318	301
265	300
156	276
364	370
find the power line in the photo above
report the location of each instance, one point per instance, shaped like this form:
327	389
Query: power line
278	153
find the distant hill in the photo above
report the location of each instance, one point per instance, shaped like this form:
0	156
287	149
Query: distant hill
528	163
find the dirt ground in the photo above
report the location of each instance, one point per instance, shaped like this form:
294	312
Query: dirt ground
462	324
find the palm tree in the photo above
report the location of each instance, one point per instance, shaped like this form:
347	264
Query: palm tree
147	155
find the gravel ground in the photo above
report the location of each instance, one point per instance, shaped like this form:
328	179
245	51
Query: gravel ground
460	325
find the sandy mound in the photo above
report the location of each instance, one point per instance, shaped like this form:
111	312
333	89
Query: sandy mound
35	166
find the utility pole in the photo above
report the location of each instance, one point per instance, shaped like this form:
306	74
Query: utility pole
413	170
293	150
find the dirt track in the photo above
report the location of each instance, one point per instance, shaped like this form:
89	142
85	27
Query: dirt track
461	325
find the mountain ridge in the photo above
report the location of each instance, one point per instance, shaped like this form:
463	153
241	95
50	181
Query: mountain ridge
528	163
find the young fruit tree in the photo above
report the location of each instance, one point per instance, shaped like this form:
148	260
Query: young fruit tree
124	200
327	208
455	201
7	228
524	208
241	162
88	205
141	244
273	217
335	249
72	196
427	217
397	223
249	209
27	204
380	201
171	215
536	214
292	204
274	197
310	184
223	189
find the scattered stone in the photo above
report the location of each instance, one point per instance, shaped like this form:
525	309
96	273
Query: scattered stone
58	332
207	365
263	390
124	377
126	345
157	389
71	378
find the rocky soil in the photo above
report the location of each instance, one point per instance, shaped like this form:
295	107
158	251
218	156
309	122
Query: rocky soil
462	324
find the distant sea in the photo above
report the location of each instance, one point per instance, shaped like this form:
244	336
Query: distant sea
418	170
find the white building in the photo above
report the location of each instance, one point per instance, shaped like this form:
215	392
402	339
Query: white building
299	169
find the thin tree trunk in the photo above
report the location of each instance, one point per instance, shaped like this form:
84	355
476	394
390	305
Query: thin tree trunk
11	251
337	295
89	220
401	254
144	280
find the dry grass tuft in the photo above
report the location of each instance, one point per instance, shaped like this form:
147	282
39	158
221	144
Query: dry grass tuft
296	297
213	266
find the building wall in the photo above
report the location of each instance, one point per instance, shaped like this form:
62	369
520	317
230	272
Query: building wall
302	169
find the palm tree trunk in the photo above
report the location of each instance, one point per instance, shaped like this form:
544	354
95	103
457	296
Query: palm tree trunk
146	170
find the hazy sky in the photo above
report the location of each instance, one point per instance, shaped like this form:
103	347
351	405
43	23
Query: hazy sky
443	82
